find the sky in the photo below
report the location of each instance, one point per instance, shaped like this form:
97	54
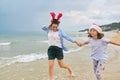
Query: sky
31	15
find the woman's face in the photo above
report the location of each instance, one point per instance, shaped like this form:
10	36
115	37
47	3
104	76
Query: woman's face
93	32
54	27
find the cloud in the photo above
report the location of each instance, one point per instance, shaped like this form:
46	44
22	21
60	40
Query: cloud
28	15
76	17
99	11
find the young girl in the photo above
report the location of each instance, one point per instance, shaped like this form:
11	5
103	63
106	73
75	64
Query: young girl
99	46
56	45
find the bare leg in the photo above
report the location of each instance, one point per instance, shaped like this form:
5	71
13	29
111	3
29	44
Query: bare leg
62	65
51	66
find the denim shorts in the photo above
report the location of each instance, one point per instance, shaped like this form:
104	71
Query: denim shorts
55	52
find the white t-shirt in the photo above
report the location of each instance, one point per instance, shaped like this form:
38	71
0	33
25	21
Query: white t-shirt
54	39
99	48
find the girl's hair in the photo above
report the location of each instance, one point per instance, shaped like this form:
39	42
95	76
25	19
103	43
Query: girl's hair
54	21
99	35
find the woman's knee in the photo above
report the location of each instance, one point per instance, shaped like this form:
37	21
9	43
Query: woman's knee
61	65
51	64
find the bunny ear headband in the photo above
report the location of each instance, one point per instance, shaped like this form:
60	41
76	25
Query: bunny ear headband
53	16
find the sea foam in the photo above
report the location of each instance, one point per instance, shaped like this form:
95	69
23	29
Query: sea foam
5	43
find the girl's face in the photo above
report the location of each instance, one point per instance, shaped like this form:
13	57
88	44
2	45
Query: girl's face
54	27
93	33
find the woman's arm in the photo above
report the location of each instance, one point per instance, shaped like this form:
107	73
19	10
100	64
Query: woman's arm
67	37
64	35
46	28
115	43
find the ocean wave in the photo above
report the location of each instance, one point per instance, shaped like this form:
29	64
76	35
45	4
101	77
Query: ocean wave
29	58
21	58
5	43
74	50
45	41
4	61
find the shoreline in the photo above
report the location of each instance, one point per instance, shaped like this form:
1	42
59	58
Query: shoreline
80	61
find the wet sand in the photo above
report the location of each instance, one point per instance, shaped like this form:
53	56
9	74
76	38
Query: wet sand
80	61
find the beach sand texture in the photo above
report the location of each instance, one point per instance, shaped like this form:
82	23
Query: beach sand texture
80	61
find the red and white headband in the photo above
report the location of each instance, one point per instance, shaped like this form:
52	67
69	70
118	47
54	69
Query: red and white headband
53	16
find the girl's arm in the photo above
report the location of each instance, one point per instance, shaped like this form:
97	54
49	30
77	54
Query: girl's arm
115	43
84	43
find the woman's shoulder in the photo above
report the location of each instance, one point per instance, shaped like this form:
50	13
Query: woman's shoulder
59	29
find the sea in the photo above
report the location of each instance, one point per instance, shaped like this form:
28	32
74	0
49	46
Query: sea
27	47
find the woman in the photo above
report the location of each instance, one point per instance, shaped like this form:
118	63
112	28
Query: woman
56	45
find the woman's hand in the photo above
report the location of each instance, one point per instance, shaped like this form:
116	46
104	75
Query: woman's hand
49	26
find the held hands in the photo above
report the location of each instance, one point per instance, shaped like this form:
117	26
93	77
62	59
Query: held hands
78	43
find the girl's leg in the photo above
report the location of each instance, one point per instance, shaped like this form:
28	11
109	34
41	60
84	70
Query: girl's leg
103	66
51	66
99	68
95	64
62	65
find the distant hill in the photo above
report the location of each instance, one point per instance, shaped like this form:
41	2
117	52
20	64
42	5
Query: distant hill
107	27
112	26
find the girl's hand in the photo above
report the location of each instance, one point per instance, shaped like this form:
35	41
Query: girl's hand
78	43
84	43
81	45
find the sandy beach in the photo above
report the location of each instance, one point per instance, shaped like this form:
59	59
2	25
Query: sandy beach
80	61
